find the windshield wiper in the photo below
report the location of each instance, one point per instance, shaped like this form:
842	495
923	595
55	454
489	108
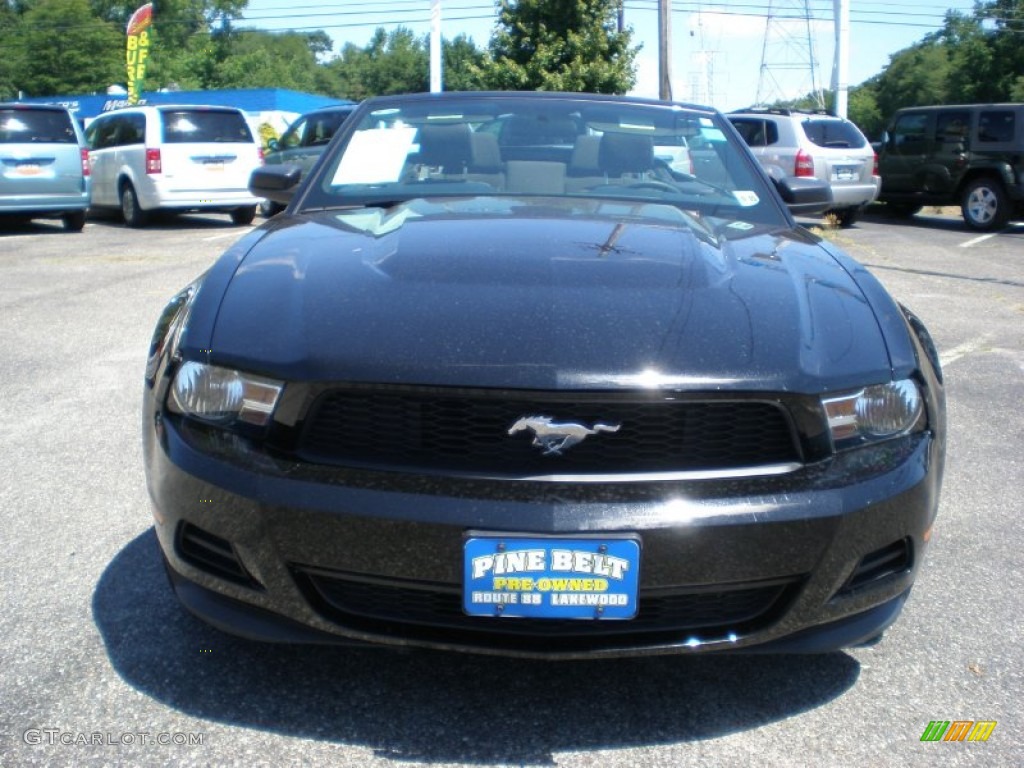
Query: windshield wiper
382	205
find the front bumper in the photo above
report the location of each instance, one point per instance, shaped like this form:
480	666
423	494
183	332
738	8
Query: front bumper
818	559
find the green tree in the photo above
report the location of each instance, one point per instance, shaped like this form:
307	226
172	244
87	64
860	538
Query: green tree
392	62
1017	89
175	22
862	109
1006	41
915	76
62	47
10	51
266	60
399	62
463	64
570	45
191	39
976	58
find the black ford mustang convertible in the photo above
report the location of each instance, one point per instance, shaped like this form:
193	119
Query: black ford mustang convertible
544	375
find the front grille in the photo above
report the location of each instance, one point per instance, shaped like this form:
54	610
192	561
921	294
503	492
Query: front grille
427	611
436	431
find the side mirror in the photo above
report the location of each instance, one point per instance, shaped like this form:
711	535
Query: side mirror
804	196
273	145
275	182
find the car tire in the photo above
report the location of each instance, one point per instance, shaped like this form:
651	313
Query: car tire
268	208
903	210
847	217
984	205
133	215
74	221
244	215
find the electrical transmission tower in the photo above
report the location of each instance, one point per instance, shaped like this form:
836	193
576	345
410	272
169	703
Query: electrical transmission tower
789	69
702	63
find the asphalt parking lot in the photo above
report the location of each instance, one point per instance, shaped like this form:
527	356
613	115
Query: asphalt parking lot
99	665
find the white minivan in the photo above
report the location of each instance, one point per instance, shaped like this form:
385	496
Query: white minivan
175	158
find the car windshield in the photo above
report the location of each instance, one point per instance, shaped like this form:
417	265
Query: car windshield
515	145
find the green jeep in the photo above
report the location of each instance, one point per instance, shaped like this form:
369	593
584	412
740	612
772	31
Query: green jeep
968	155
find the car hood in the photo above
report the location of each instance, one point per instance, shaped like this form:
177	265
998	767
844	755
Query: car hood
542	297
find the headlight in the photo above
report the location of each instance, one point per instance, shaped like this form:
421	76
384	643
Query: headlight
873	413
222	396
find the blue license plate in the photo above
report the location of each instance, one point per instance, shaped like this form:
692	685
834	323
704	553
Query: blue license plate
542	577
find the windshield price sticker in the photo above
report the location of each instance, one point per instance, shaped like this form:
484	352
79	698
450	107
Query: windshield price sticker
551	578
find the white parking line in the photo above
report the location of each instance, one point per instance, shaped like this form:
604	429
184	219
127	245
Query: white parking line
962	350
221	237
981	239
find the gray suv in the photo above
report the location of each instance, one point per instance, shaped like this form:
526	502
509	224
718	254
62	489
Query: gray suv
970	155
794	143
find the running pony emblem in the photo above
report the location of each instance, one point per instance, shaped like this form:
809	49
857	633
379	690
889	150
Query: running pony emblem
555	437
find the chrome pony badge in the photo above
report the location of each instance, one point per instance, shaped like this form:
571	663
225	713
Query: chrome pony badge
554	437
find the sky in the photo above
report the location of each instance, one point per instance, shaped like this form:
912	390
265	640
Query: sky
717	46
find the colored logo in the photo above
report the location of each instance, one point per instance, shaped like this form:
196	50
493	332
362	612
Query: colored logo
958	730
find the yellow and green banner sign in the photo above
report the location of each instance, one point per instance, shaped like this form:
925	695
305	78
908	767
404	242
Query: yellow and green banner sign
138	50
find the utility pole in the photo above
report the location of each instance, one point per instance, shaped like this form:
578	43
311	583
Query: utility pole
664	50
436	86
841	64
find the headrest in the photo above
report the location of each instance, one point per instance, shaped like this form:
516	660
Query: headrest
486	152
446	146
621	153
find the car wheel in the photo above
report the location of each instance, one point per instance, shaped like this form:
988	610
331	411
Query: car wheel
903	209
847	216
244	215
984	205
134	216
74	221
269	208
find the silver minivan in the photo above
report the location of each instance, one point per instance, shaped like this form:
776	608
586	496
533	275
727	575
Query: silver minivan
173	158
44	165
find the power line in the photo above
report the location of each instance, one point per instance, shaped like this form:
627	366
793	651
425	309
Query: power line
413	17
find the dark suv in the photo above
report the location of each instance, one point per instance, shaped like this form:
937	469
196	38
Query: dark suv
304	142
971	155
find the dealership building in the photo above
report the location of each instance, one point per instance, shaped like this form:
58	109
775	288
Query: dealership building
277	107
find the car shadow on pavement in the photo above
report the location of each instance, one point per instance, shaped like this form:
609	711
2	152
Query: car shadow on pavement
167	221
926	219
428	706
13	226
